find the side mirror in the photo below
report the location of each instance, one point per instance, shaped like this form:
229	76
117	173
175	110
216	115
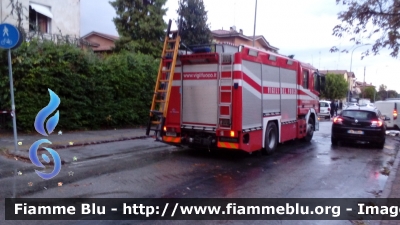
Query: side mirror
385	118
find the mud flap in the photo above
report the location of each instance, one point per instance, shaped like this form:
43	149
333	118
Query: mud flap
316	121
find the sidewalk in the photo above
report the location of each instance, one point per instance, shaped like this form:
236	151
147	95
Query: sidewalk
67	139
392	186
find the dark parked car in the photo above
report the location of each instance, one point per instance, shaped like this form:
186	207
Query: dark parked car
359	123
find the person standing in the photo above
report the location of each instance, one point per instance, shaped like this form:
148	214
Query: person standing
332	108
336	107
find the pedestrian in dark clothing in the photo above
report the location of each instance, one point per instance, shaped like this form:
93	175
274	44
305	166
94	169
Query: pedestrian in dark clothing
336	108
332	108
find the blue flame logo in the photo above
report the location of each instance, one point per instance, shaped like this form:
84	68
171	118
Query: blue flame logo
50	126
45	112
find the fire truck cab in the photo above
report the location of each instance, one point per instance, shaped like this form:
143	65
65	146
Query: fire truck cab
240	98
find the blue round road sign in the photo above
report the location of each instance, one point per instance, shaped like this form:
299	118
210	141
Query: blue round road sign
9	36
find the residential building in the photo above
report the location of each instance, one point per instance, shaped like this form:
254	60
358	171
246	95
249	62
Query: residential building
237	38
359	87
46	17
99	42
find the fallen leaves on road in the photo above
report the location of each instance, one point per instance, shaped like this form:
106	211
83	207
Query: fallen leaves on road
376	193
385	171
30	184
200	164
358	222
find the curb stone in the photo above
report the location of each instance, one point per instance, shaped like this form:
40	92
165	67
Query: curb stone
23	154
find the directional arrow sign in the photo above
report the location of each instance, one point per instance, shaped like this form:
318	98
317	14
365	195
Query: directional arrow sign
9	36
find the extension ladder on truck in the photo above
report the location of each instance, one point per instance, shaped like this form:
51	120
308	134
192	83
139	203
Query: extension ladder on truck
162	91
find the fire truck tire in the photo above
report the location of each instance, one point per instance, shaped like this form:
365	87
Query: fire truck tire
310	130
271	138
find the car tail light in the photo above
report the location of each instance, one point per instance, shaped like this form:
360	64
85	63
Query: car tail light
338	120
394	114
376	123
329	109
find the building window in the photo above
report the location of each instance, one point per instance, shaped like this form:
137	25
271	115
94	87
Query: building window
39	18
305	79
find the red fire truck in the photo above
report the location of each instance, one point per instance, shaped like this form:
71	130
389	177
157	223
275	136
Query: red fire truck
240	98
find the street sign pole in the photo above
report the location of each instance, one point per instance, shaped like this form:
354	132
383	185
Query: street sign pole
10	38
13	114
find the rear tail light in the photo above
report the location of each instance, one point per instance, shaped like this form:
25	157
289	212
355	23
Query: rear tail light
338	120
394	114
169	129
376	123
329	109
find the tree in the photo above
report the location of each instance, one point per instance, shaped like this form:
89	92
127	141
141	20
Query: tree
382	87
20	13
194	27
392	94
383	93
336	87
140	25
369	92
371	19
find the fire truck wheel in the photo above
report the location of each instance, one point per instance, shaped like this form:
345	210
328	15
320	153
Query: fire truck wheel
271	138
310	130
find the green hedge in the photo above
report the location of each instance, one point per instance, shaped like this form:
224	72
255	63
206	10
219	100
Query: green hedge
113	91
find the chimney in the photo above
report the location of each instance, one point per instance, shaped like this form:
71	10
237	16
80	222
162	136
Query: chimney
241	31
233	29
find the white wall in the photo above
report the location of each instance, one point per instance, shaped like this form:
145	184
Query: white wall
66	15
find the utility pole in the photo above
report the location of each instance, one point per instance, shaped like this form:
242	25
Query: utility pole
319	63
351	62
255	18
364	84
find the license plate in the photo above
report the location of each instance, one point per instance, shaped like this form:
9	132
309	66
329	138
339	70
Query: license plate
171	134
355	132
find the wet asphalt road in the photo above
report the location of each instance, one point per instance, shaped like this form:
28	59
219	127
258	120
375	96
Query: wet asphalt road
297	170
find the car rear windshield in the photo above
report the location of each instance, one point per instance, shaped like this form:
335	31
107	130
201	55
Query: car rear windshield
323	104
358	114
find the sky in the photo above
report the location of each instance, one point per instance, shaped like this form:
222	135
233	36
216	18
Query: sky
303	28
